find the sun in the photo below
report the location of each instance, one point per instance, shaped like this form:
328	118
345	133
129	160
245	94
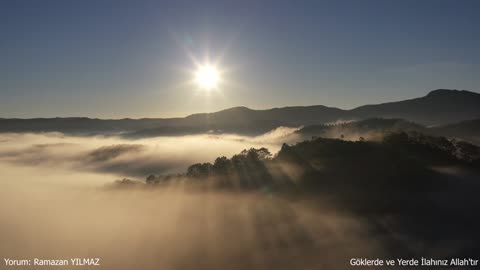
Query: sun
207	77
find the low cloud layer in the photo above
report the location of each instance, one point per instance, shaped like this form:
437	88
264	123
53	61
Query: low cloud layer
57	201
175	229
53	206
130	158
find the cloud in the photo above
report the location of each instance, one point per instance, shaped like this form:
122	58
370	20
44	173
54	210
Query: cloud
175	229
105	153
50	184
130	158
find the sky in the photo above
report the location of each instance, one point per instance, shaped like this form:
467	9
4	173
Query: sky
118	59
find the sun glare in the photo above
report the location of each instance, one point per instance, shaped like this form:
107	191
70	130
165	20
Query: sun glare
207	77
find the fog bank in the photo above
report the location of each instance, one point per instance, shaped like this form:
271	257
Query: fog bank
135	158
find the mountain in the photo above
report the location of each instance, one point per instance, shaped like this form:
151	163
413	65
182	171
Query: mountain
437	108
376	128
465	130
247	121
369	129
440	106
79	125
299	115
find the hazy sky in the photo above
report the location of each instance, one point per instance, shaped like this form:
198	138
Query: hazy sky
115	59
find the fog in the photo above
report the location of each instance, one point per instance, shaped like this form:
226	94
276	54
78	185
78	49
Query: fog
129	158
58	200
174	229
56	203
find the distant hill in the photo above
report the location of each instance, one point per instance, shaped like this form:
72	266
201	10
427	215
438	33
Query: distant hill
377	128
247	121
437	108
465	130
441	106
288	115
369	129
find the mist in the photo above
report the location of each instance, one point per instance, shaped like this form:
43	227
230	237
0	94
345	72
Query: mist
59	199
56	203
175	229
135	158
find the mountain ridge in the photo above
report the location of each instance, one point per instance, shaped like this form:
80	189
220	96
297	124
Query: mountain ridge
438	107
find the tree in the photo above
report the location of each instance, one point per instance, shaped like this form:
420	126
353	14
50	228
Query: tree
151	179
262	153
397	138
199	170
221	165
467	151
